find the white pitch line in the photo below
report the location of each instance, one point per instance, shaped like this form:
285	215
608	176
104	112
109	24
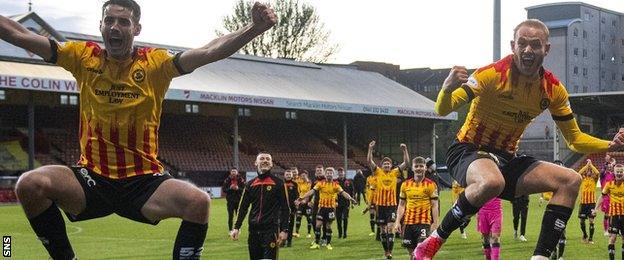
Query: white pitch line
77	231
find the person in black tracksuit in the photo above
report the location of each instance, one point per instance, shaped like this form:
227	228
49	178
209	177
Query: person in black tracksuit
293	194
359	186
233	187
342	211
269	211
520	210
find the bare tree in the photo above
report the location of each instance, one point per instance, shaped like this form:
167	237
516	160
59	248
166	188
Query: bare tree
299	34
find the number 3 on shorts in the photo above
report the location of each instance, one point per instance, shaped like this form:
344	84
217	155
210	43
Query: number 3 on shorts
332	215
423	232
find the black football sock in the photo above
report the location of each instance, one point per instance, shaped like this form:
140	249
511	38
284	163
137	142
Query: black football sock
189	242
297	223
50	229
317	235
562	243
384	241
591	231
328	235
583	228
611	249
553	224
456	216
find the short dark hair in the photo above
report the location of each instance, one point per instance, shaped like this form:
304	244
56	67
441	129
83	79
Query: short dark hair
340	169
136	9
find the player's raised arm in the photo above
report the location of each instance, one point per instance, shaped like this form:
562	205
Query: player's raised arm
451	96
369	156
14	33
263	18
406	159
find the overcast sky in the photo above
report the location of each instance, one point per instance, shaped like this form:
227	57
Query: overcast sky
410	33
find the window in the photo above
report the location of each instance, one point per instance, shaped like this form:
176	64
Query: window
602	56
585	72
2	95
64	100
584	52
584	89
603	20
602	74
244	112
575	32
575	88
188	108
613	23
622	59
584	34
622	77
291	115
73	100
612	76
575	70
575	51
587	16
195	108
603	37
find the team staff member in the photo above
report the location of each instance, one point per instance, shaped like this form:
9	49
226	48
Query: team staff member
122	88
386	190
417	207
359	185
615	190
269	213
293	193
342	211
233	187
328	191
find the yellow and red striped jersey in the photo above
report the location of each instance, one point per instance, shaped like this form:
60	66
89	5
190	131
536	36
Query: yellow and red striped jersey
386	186
328	193
304	187
371	186
418	196
616	196
120	106
588	184
504	102
456	189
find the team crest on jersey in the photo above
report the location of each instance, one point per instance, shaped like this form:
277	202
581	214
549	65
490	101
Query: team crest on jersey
472	82
138	75
269	188
544	103
272	244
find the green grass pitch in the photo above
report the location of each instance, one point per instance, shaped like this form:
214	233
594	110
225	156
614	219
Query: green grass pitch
114	237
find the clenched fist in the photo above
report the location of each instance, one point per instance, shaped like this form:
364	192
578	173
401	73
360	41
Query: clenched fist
263	17
457	76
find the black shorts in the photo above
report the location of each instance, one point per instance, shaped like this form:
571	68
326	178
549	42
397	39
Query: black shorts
386	214
414	234
262	244
616	225
342	212
125	197
586	210
461	155
326	214
304	210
